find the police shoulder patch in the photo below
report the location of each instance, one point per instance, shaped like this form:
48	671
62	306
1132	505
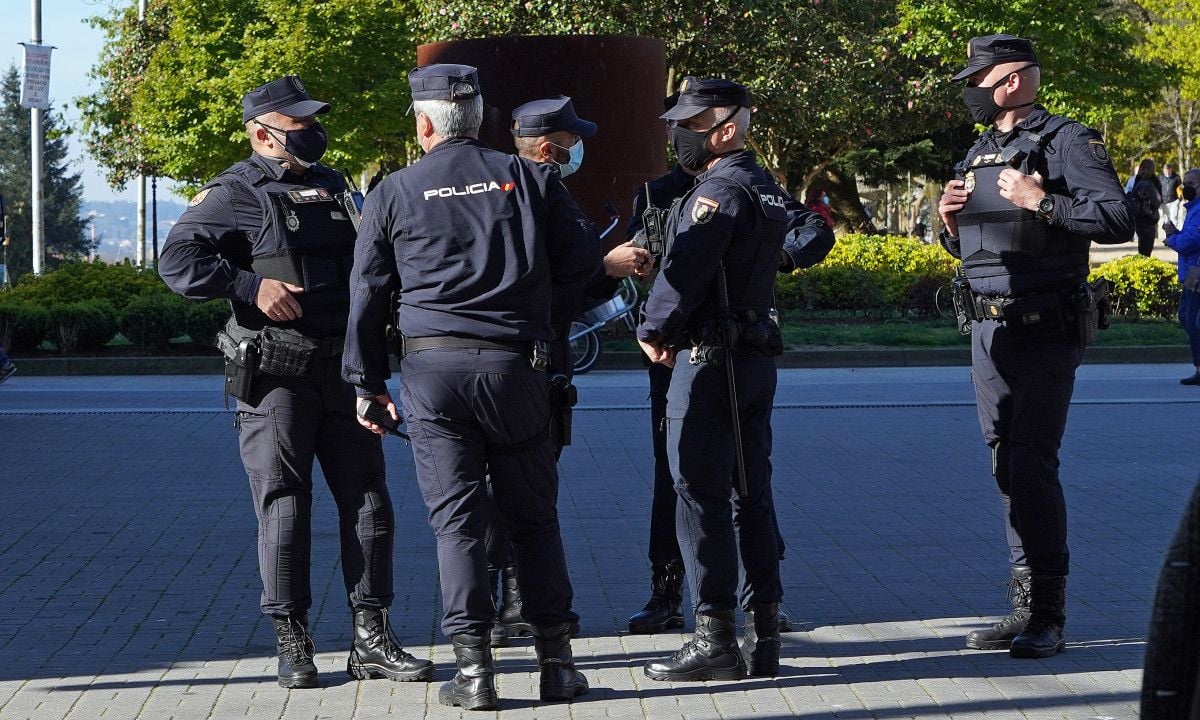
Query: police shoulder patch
1098	150
703	210
199	197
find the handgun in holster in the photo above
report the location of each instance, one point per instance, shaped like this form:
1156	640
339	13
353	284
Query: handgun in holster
563	397
240	370
1091	310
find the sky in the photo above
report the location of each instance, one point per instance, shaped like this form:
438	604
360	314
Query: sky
78	45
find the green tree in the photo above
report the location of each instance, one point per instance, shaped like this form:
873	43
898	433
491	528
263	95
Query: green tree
62	191
174	87
833	98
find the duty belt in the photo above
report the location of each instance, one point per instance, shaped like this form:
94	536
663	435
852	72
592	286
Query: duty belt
410	345
329	347
992	308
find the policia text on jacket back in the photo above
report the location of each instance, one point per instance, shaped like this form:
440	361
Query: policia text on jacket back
270	235
1033	192
472	241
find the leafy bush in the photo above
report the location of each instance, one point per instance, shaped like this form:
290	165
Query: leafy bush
118	284
151	321
1141	286
870	273
205	319
84	326
23	324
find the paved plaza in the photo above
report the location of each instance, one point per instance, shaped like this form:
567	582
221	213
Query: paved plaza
129	583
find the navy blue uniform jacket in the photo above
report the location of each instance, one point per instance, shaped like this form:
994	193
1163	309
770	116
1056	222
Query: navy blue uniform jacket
471	239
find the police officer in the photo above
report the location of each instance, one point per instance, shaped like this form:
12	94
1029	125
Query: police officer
471	240
808	242
270	236
549	131
714	292
1034	190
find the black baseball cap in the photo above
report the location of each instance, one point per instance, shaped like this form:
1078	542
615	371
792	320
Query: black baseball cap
542	117
697	94
991	50
285	96
444	82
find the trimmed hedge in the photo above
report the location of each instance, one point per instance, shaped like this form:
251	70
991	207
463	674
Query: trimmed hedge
23	326
86	326
1141	286
870	273
151	321
204	320
118	284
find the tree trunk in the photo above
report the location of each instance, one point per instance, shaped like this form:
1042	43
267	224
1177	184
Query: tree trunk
849	215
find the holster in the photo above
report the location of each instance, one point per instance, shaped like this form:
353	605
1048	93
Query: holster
563	397
241	363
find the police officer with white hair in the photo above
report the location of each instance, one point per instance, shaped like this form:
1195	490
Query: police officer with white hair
471	240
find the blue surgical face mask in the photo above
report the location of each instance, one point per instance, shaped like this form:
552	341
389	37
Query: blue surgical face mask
574	161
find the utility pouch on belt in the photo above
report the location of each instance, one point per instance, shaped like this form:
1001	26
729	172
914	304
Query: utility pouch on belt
286	354
762	335
563	397
1035	316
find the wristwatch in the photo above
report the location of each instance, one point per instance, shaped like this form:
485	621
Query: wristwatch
1045	208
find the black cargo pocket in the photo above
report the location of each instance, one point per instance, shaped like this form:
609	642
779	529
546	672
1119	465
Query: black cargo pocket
258	441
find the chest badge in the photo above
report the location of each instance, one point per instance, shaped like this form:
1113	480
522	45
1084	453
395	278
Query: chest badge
291	220
703	210
969	182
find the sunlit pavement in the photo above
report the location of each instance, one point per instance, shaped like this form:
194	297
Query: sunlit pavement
129	583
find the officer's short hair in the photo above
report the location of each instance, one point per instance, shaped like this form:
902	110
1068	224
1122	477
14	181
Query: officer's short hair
741	120
453	118
527	146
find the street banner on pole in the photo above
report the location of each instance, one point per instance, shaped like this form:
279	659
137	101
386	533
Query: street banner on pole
35	73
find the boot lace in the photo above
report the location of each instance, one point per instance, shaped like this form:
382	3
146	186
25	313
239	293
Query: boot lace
1018	593
295	643
392	649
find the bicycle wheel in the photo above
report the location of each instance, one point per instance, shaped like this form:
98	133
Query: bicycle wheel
585	349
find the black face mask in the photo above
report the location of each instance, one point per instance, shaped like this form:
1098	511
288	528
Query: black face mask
982	106
691	146
1189	192
306	144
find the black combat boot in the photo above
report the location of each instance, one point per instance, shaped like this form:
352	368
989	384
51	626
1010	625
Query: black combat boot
1000	635
295	650
474	685
761	646
712	654
663	611
375	653
1043	636
560	680
510	605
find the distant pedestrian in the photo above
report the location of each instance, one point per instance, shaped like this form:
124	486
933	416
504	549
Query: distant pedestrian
1172	207
1186	242
1145	198
817	200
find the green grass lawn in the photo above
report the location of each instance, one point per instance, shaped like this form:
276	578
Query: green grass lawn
830	331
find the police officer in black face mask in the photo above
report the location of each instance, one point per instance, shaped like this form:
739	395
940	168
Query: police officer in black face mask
808	241
713	297
1033	192
270	235
472	240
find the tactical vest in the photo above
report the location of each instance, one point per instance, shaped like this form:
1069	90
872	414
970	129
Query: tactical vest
996	237
306	238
